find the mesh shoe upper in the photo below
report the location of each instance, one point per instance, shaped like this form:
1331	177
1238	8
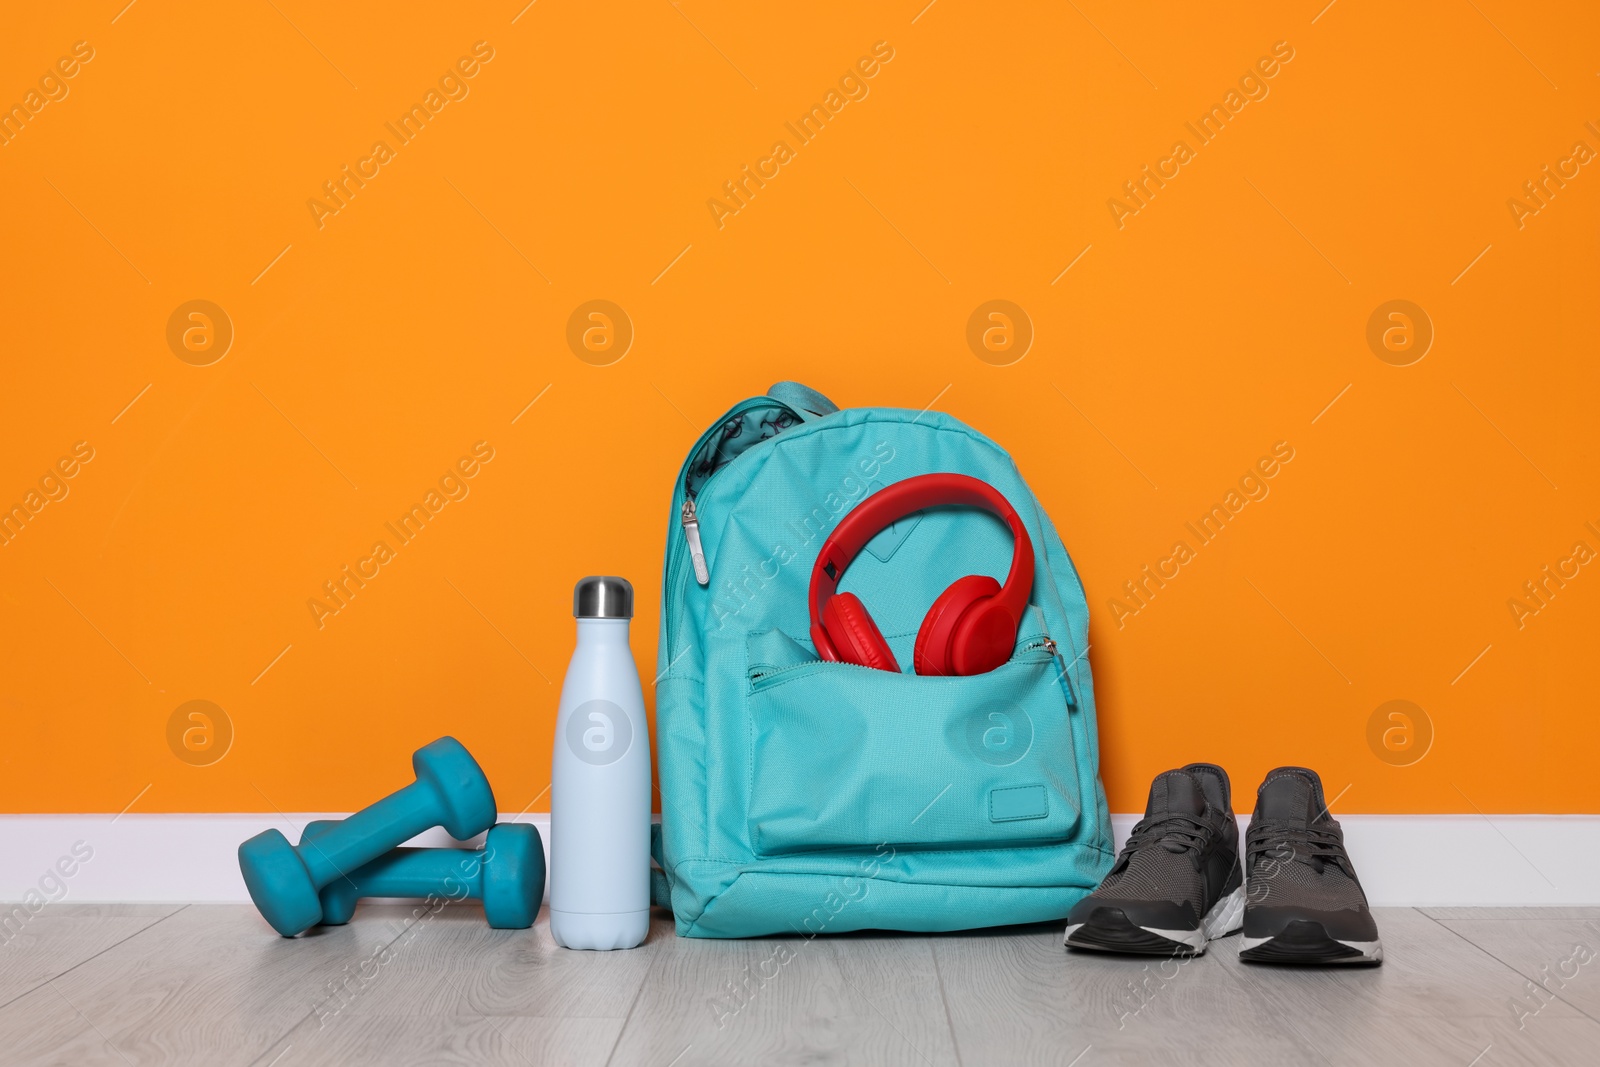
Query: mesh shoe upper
1297	861
1277	883
1155	874
1168	854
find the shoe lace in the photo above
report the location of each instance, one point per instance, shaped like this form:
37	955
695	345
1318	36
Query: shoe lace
1173	831
1313	846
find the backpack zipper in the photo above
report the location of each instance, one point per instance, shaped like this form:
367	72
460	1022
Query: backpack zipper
760	674
691	532
1066	683
687	517
690	521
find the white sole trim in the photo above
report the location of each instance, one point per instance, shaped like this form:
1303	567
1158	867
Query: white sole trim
1195	939
1371	951
1225	916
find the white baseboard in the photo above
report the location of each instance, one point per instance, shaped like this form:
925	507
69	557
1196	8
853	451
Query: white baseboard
1402	859
158	857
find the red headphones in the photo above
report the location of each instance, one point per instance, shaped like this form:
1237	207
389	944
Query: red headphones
971	627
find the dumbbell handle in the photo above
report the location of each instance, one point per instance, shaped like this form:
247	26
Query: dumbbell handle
347	844
403	872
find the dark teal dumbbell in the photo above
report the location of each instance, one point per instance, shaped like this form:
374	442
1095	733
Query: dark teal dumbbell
283	879
507	875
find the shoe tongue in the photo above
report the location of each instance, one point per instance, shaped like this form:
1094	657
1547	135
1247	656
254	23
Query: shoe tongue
1176	792
1214	781
1291	795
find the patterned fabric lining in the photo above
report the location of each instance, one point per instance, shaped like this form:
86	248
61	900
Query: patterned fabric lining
737	434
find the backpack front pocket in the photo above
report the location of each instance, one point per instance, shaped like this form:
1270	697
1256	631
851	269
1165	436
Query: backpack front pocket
850	757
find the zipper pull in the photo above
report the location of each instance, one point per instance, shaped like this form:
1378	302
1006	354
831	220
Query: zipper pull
691	530
1055	653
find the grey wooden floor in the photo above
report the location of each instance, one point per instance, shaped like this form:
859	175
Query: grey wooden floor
211	985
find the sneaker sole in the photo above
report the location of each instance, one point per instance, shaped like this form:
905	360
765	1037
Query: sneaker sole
1304	941
1109	930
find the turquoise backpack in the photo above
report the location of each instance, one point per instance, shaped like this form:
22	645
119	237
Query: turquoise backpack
806	797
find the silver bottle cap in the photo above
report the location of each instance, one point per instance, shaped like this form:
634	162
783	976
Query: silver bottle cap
603	596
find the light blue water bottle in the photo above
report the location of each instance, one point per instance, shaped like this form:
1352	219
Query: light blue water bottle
600	781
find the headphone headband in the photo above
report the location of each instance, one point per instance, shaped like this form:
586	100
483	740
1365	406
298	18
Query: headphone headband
894	502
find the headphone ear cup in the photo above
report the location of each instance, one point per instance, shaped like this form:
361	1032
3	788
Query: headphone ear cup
985	638
854	635
935	651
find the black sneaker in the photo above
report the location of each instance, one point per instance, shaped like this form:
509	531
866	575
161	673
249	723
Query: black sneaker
1177	883
1305	904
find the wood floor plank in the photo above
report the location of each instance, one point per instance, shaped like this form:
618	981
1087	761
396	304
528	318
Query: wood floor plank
1560	956
1019	997
104	910
857	999
209	985
1428	972
1382	1041
1513	913
453	964
427	1040
212	985
39	947
42	1030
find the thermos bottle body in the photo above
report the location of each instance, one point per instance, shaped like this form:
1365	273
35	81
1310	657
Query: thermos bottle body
600	782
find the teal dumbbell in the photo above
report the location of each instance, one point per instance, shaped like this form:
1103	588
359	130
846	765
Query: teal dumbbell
507	875
284	880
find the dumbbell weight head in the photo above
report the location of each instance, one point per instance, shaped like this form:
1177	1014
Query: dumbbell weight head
513	876
279	884
466	803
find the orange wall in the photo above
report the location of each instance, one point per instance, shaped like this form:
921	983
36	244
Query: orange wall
1221	318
